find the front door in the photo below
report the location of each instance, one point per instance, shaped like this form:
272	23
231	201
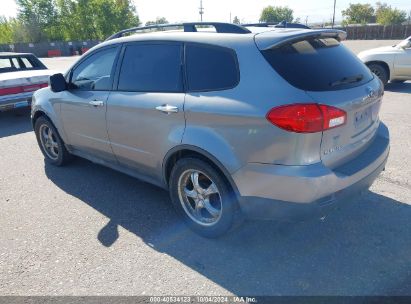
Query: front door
402	64
84	104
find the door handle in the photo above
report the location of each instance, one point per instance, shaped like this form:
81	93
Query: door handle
96	103
167	109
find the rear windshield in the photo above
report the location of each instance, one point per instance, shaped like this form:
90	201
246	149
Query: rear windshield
19	63
318	64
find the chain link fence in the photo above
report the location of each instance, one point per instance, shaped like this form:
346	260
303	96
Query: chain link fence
50	49
377	32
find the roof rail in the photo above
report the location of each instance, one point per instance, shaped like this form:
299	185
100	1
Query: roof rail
220	27
282	24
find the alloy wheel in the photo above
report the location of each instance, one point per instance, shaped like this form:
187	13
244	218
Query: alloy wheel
200	197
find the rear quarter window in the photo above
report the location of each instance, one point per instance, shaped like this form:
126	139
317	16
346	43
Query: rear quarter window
211	68
318	64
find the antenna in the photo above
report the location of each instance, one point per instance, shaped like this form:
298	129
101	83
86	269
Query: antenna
201	10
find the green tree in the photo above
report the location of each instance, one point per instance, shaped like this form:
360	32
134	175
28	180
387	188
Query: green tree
358	13
159	20
387	15
73	19
40	19
6	31
236	20
276	14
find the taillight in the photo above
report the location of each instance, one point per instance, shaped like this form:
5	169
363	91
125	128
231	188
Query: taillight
307	118
22	89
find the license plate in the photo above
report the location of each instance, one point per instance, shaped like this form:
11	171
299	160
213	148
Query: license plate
363	117
21	104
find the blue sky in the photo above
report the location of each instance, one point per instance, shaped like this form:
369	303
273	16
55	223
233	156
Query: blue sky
219	10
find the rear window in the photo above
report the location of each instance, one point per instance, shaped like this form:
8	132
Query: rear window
318	64
211	68
19	63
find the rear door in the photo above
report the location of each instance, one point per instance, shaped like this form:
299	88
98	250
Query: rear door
331	75
145	116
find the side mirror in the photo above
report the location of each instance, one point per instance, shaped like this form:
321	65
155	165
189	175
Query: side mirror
58	83
405	44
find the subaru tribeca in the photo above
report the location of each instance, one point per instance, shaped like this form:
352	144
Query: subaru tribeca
263	122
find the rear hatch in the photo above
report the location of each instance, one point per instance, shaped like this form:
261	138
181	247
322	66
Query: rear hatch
330	74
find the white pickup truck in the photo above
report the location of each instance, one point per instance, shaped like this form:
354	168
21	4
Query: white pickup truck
20	76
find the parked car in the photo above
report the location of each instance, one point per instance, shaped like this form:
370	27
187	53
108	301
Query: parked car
20	75
269	123
390	63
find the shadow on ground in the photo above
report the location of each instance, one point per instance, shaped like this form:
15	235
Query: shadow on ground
362	248
15	122
398	87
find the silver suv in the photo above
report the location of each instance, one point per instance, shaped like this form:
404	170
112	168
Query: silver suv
264	122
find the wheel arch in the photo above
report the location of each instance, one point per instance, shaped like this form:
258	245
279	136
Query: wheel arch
36	116
184	151
384	64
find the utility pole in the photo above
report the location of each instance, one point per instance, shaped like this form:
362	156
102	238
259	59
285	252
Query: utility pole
332	26
306	20
201	11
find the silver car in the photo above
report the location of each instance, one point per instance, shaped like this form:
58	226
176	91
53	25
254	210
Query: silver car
263	122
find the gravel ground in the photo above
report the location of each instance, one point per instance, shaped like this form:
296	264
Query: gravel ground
87	230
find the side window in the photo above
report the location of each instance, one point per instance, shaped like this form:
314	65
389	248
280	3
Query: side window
5	63
95	73
211	68
151	68
15	63
27	63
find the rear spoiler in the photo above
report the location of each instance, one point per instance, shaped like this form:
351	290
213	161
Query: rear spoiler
273	39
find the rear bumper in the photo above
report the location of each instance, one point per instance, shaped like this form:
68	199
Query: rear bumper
10	102
275	191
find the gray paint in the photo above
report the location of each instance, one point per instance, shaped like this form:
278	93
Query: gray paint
128	133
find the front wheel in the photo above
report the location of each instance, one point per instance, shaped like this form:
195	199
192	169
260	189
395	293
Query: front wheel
203	198
50	142
380	71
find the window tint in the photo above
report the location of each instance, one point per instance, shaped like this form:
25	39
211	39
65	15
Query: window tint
151	68
211	68
318	65
95	73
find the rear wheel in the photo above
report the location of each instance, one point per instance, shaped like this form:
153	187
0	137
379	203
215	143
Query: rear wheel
203	198
380	71
50	142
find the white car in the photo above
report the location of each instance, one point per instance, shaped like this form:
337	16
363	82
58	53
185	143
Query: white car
390	63
20	76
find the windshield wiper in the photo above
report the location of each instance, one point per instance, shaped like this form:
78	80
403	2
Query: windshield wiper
349	79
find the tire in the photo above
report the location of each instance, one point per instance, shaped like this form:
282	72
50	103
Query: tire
209	215
54	151
380	71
